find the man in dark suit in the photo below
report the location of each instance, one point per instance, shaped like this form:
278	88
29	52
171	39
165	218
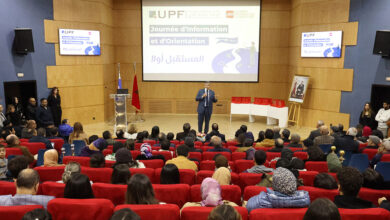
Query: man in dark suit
348	142
215	132
40	137
206	98
43	115
316	133
186	132
31	109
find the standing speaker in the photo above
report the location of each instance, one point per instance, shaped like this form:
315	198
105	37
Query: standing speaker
382	43
23	41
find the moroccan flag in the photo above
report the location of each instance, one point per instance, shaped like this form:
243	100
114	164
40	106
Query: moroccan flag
135	99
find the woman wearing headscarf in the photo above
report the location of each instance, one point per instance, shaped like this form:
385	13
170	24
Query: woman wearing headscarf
283	195
223	176
146	153
95	147
211	195
50	158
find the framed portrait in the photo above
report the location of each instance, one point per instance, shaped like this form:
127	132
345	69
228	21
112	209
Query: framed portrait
298	89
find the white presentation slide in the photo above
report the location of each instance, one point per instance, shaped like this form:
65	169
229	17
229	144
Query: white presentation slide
79	42
321	44
199	40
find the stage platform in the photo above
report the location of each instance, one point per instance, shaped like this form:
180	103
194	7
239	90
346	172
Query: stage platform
174	123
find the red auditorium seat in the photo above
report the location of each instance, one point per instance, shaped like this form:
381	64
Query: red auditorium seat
50	173
272	155
293	149
154	212
238	156
114	192
167	154
154	164
58	142
202	213
24	140
12	151
385	158
272	164
53	189
249	179
364	214
7	188
316	193
251	191
242	165
301	155
150	142
149	172
135	153
75	209
373	194
195	155
370	153
99	175
231	143
83	161
186	176
175	142
319	166
231	193
264	148
33	147
361	146
109	163
107	152
17	212
308	177
177	194
203	174
206	148
210	155
210	165
232	149
137	147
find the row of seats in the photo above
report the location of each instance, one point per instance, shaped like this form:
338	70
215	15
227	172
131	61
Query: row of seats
102	209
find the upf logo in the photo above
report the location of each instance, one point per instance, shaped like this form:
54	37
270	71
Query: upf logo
229	14
166	14
67	31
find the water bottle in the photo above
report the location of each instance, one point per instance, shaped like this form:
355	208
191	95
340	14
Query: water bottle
72	148
63	151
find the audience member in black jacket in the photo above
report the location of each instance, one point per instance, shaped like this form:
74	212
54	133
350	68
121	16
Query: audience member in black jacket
295	139
285	135
316	133
54	102
367	117
43	115
186	132
189	142
31	109
13	116
41	138
278	146
215	132
348	143
374	180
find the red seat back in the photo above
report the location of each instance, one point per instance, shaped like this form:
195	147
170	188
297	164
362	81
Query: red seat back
272	155
210	155
242	165
301	155
370	153
373	195
7	188
385	158
316	193
153	164
273	213
177	194
12	151
202	213
232	149
50	173
308	177
166	154
154	212
99	175
58	142
195	155
249	179
251	191
231	193
33	147
109	163
149	172
231	143
17	212
365	214
238	156
135	153
107	152
53	189
203	174
319	166
74	209
114	192
186	176
83	161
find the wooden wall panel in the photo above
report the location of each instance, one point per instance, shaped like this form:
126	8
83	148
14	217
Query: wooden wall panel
72	76
320	99
82	96
310	117
85	115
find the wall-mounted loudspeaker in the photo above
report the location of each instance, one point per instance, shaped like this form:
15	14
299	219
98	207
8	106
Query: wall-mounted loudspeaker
382	43
23	41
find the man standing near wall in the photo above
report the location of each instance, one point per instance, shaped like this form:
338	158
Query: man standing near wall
205	99
382	117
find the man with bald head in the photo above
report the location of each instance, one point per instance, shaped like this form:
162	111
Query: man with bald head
14	142
31	109
325	138
27	185
316	133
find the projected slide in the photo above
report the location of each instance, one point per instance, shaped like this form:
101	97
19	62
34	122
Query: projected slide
321	44
79	42
201	40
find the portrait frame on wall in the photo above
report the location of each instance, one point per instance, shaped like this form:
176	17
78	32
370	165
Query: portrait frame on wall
298	89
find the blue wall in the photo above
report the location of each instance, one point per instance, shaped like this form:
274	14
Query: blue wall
25	14
368	68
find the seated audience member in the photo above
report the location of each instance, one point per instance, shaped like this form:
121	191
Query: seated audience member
50	158
221	161
186	132
383	149
374	180
247	144
117	145
3	163
65	129
14	142
350	182
37	214
131	132
182	161
211	195
373	142
154	134
261	136
316	133
325	138
282	162
130	144
334	162
223	176
366	133
285	135
295	139
120	134
325	181
334	131
322	209
341	130
27	185
123	156
170	174
170	136
28	131
146	153
92	138
224	212
217	143
287	154
215	132
120	174
165	145
78	187
247	133
97	161
260	158
108	137
15	165
297	164
378	133
315	154
190	143
283	195
140	137
276	132
348	142
70	169
95	147
269	139
53	133
305	145
78	134
125	214
240	140
140	191
279	144
40	137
